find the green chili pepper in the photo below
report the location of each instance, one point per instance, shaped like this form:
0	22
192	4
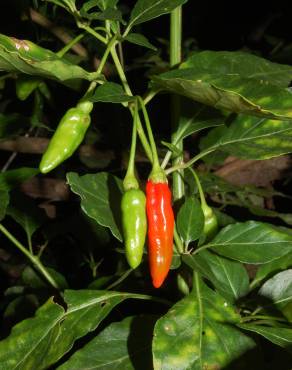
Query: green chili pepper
67	137
133	208
134	225
211	223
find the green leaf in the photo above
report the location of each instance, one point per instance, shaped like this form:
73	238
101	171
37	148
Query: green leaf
12	124
190	220
198	333
211	140
172	148
229	277
270	268
109	13
12	178
280	336
278	289
141	40
124	345
145	10
32	279
252	242
4	201
26	213
195	117
66	4
101	4
25	85
255	138
100	198
230	92
38	342
240	63
110	92
24	56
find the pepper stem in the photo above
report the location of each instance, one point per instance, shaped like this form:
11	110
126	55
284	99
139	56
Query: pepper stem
211	225
201	193
130	181
157	174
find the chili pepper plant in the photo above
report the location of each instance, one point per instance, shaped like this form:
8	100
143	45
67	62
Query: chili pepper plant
124	244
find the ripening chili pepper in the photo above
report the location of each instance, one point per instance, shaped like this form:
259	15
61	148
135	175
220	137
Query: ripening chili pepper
160	230
67	137
133	209
160	215
134	225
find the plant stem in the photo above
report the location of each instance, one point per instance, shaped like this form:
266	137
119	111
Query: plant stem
30	256
201	193
93	33
149	96
178	241
126	86
190	162
175	58
106	53
263	317
120	279
120	71
67	47
156	164
130	181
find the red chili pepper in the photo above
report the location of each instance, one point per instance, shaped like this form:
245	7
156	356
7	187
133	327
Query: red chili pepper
160	230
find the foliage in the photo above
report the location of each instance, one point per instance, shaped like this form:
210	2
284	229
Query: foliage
65	272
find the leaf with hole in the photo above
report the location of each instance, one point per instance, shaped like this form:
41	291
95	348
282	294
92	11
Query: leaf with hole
38	342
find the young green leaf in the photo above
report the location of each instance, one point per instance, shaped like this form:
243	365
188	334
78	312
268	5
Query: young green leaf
145	10
141	40
110	92
66	4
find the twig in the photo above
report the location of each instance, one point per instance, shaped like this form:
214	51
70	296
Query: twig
58	31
